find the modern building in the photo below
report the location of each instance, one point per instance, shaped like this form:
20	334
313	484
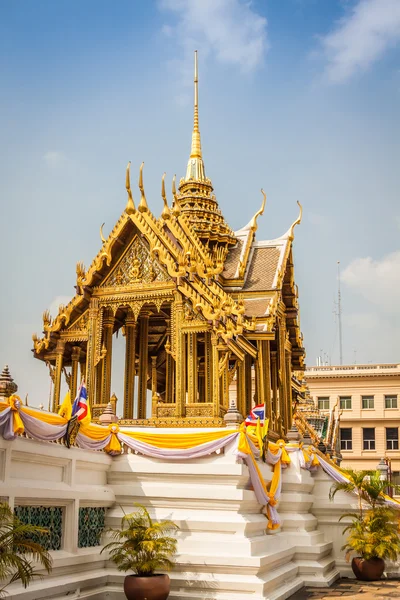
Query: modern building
368	397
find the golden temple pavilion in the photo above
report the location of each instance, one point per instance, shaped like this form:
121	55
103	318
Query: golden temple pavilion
203	310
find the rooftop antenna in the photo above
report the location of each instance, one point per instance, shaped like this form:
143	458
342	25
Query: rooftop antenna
340	317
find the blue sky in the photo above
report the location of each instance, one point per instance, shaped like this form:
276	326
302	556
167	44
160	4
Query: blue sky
300	97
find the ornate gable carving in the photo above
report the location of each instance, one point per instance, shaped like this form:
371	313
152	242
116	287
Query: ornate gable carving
81	324
136	266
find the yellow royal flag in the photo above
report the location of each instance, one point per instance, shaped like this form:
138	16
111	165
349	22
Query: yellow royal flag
66	407
265	427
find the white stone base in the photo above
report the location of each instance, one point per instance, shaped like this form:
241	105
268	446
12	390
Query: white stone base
225	550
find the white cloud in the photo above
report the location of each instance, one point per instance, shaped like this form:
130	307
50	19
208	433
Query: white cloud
54	159
378	281
361	38
231	30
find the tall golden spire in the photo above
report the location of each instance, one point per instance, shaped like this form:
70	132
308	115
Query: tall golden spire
195	169
196	199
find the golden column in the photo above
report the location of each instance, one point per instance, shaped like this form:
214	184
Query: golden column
264	375
215	374
169	368
154	396
143	362
108	328
91	349
180	362
207	367
248	385
76	352
192	376
58	373
225	381
274	380
283	392
288	371
240	389
130	369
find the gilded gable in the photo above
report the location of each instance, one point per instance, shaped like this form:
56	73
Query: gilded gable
136	266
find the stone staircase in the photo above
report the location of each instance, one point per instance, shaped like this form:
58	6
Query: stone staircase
225	550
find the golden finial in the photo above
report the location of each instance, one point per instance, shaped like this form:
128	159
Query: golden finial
195	169
166	214
103	239
176	211
196	143
130	205
253	222
143	202
297	222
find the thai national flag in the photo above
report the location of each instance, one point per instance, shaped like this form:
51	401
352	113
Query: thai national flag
256	413
80	406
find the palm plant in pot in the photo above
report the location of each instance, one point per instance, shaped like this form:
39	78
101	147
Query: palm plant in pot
373	533
144	546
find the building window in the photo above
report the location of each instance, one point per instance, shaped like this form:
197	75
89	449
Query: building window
345	402
49	517
391	401
323	403
91	526
367	401
369	438
346	438
392	438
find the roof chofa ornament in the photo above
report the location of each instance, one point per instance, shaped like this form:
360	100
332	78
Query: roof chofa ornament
166	213
290	233
143	202
130	205
253	222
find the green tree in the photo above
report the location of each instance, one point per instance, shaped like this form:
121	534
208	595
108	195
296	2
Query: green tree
18	550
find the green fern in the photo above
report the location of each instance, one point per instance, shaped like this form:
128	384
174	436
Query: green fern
18	550
142	545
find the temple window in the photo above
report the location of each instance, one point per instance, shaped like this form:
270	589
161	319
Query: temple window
391	401
49	517
369	438
367	401
345	402
392	438
346	438
323	403
91	526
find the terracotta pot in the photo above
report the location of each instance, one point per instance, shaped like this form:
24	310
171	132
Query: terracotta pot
368	570
155	587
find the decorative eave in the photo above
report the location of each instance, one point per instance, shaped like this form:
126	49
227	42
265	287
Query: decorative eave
188	264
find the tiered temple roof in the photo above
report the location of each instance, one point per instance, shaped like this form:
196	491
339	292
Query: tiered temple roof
198	293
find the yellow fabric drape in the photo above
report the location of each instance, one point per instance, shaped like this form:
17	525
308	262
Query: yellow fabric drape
4	405
114	445
178	441
94	432
46	417
14	402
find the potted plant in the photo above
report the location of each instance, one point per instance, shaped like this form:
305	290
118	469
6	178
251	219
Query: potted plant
373	533
144	546
18	549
